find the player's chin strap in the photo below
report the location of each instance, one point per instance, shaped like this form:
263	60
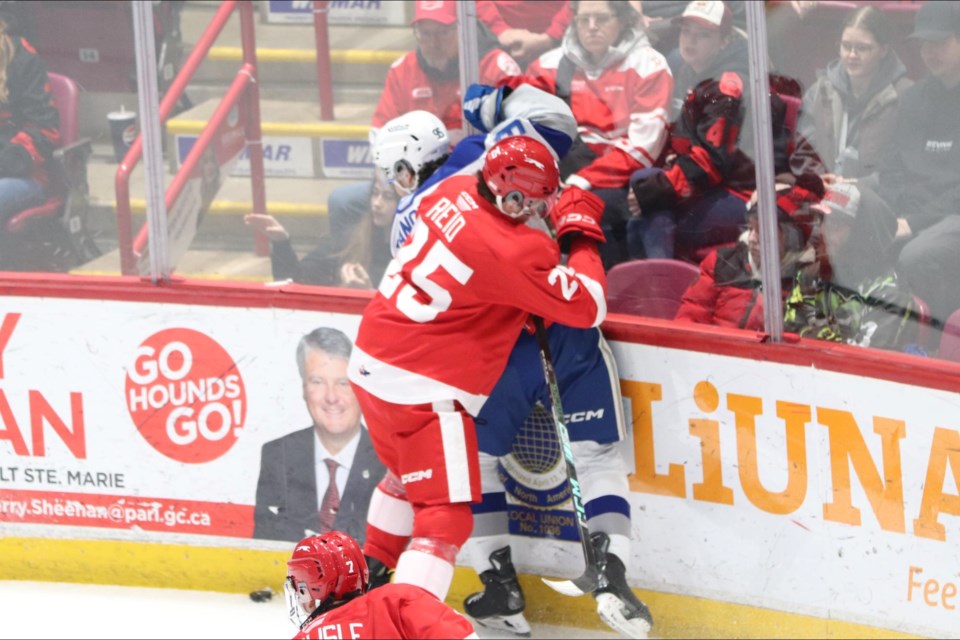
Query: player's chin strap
593	576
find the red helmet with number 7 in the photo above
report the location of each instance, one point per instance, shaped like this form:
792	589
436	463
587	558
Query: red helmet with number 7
329	566
523	175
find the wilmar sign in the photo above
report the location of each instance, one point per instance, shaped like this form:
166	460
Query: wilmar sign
144	419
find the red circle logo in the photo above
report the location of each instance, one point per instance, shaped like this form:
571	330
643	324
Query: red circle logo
186	396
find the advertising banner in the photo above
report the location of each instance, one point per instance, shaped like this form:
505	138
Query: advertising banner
756	482
283	157
368	12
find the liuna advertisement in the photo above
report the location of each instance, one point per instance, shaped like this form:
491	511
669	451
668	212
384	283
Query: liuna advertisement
756	482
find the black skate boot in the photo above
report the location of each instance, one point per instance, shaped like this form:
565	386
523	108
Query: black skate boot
379	574
500	605
617	605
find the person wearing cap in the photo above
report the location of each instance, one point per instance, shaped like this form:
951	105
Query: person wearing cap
728	291
850	111
709	47
851	293
921	181
428	79
619	89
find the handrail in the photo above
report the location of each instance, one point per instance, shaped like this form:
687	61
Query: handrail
128	258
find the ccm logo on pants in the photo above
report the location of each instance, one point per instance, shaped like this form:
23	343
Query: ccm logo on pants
416	476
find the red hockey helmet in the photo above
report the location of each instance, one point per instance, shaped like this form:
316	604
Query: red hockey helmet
329	566
522	174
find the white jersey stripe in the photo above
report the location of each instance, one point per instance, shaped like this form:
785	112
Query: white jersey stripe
454	451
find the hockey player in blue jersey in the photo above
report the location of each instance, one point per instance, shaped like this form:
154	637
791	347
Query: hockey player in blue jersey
411	151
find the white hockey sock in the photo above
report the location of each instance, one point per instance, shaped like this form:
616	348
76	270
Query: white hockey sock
426	571
480	549
620	547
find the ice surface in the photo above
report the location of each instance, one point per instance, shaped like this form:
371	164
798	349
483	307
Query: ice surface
60	610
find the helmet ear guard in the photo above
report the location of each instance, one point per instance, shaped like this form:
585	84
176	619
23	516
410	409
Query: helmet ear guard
522	174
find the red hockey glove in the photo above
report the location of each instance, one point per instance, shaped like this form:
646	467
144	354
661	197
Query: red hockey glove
578	211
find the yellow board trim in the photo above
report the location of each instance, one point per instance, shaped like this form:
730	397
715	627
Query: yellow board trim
244	570
242	207
337	56
289	129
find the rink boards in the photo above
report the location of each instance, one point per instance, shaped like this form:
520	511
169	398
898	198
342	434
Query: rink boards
798	489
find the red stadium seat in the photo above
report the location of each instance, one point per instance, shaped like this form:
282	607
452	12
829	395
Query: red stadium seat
53	236
950	338
649	287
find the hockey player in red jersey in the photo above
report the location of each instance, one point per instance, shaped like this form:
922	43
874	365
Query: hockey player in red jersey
434	340
326	589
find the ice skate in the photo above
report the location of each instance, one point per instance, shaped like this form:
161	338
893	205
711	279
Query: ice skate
617	605
500	605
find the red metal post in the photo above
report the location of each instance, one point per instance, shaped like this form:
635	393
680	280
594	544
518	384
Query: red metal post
324	75
252	125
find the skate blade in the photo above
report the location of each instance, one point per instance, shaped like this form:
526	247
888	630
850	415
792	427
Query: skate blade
610	609
566	587
515	624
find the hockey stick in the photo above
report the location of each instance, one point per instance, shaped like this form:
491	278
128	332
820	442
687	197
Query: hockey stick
593	572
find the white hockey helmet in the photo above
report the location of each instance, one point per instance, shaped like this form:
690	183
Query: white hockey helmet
408	142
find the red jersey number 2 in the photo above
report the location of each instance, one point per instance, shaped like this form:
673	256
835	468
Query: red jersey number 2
434	257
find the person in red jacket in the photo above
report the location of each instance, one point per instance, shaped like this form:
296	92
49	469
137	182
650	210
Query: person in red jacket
619	90
428	78
526	30
436	337
727	292
327	597
29	123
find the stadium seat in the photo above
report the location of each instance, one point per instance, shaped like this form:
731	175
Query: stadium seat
950	338
649	287
922	310
53	235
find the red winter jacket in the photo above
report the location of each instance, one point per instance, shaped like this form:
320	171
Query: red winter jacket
621	105
410	86
726	293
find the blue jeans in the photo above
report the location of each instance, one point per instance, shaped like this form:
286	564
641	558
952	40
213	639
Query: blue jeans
614	225
17	194
713	217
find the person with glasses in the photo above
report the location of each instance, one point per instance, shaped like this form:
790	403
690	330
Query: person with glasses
728	291
850	111
619	89
427	79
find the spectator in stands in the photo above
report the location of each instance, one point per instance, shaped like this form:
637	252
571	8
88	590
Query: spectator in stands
921	182
29	123
619	90
359	264
426	78
708	47
851	293
728	291
524	29
698	198
664	31
850	111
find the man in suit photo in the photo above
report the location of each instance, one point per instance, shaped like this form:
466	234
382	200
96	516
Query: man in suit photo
320	478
